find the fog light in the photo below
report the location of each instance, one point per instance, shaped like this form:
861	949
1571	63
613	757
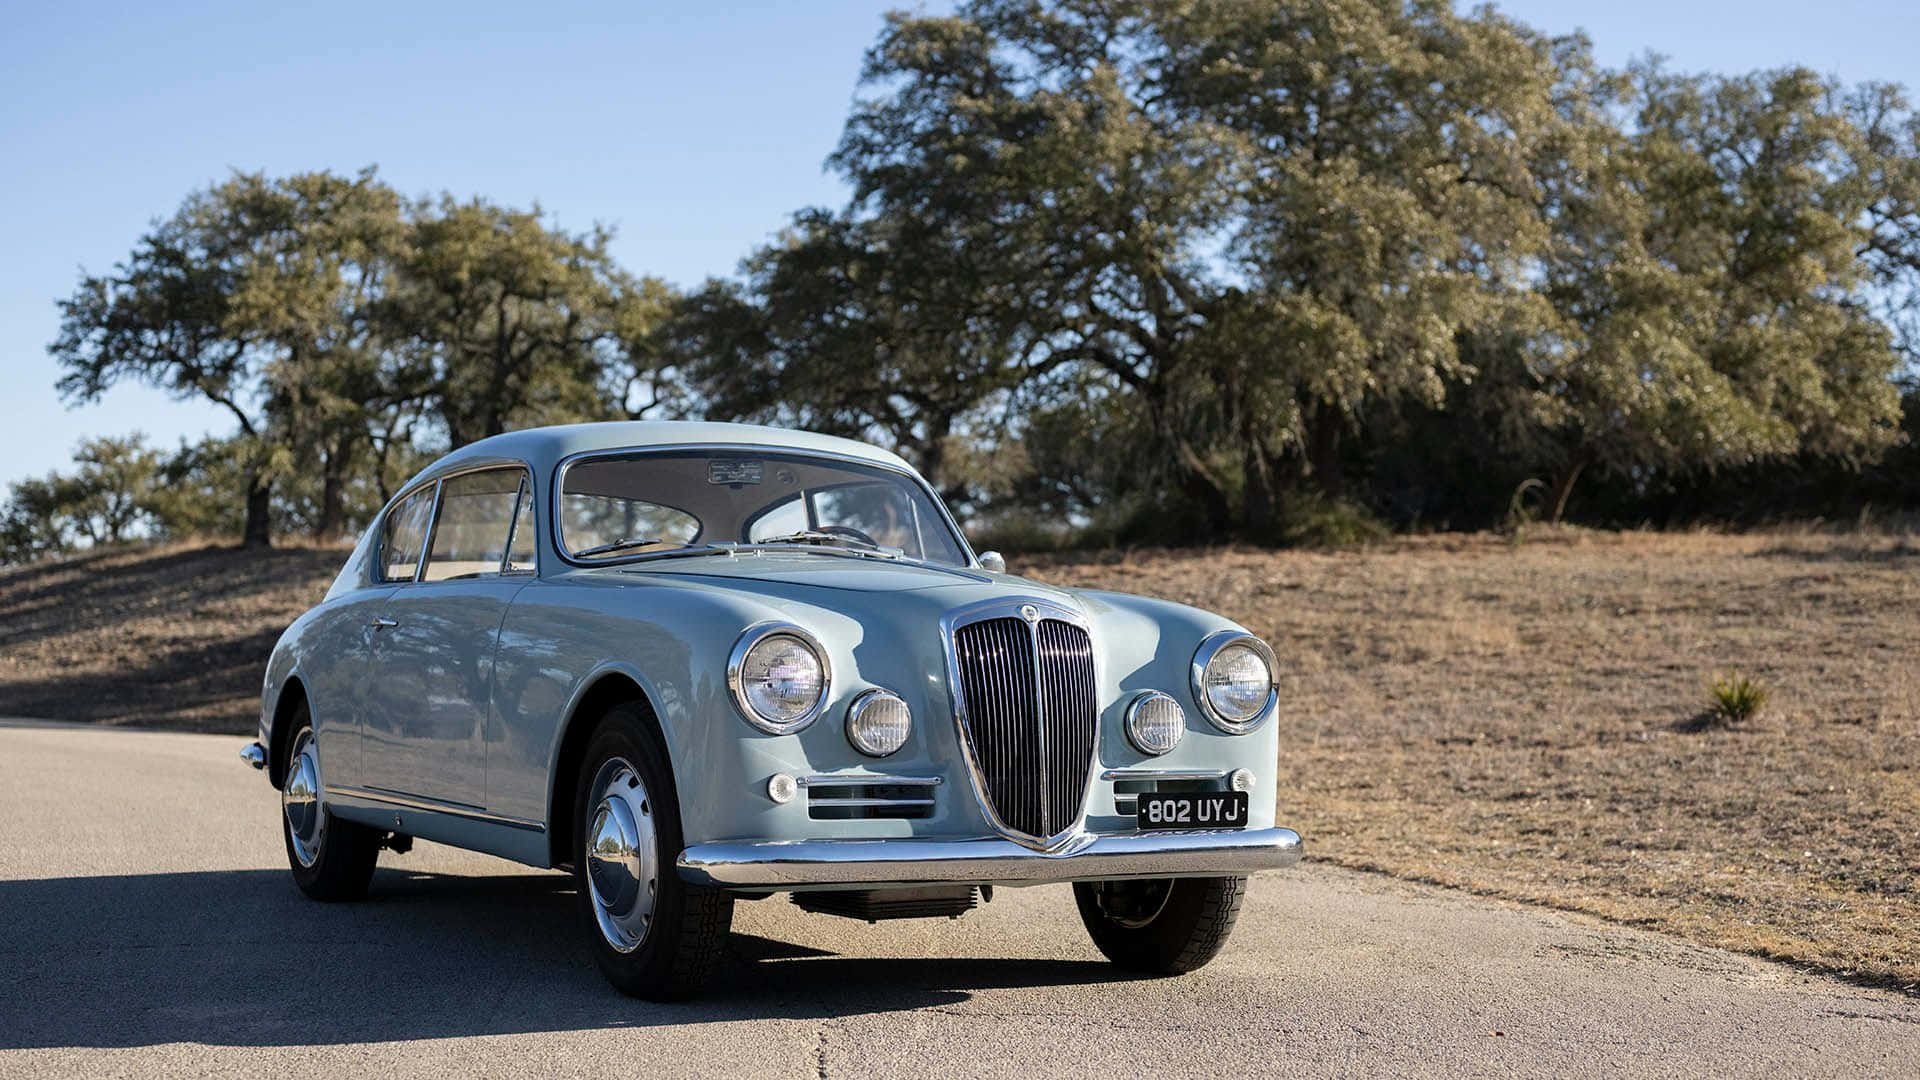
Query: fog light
1155	723
1242	780
878	723
781	788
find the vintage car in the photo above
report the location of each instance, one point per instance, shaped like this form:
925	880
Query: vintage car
695	663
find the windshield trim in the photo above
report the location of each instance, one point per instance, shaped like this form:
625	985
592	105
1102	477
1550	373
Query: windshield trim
554	530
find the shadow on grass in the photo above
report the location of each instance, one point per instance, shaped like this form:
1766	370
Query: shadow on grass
240	958
1900	551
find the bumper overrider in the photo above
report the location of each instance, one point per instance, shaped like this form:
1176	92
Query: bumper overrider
783	866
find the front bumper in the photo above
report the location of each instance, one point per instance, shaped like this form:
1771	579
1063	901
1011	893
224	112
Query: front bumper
865	864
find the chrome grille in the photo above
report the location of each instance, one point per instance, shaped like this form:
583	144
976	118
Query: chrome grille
1028	709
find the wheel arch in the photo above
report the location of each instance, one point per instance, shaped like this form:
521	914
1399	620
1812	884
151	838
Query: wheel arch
603	690
292	695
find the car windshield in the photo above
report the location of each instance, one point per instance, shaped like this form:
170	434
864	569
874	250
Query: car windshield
660	502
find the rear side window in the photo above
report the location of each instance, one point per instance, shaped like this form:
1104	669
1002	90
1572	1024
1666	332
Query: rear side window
475	521
405	535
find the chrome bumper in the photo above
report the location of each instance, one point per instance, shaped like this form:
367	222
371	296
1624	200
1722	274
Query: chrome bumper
254	754
849	864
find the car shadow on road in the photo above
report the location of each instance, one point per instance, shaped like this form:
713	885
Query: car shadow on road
239	958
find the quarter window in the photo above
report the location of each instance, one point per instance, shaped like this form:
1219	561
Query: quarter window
470	534
406	534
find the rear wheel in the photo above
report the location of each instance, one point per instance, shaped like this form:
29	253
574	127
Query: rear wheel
653	935
1163	926
331	859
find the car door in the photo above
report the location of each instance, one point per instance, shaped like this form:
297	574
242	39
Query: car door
430	691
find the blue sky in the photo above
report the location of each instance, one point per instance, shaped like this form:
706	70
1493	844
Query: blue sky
694	128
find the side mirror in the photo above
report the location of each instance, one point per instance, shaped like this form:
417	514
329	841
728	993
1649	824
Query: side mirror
991	560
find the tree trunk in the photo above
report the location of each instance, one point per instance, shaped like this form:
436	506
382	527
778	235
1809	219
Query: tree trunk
1199	486
258	532
1563	484
333	485
1261	503
1323	448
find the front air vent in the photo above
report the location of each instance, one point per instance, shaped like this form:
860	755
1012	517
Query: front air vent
844	798
1129	786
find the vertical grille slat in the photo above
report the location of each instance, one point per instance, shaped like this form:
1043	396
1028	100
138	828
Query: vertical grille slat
1030	717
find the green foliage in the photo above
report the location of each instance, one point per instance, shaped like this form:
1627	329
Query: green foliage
1320	522
344	327
108	498
1734	698
1139	271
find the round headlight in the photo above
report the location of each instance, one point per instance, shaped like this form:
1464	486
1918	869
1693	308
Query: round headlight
1233	680
778	675
1155	723
878	723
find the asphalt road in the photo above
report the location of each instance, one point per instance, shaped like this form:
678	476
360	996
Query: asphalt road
149	928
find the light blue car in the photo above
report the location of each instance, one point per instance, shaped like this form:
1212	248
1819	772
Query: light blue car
699	662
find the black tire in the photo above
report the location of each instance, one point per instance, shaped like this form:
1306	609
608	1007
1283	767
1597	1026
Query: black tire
1163	926
344	852
687	936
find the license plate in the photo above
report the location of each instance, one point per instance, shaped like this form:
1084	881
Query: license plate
1193	810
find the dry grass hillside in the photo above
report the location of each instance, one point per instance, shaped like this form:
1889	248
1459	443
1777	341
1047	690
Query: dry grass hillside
1522	721
157	637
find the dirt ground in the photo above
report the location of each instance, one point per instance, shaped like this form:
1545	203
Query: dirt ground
1523	721
1517	720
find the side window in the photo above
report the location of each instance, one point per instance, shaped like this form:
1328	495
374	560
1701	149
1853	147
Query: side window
470	534
406	533
520	548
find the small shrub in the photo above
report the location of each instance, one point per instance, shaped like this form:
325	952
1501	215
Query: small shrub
1313	521
1733	698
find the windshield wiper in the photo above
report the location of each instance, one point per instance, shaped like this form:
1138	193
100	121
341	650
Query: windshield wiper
621	544
814	536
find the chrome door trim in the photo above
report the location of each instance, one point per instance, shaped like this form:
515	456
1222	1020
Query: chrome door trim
437	806
1010	607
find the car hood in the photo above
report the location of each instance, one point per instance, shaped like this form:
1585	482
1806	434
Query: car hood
815	569
815	578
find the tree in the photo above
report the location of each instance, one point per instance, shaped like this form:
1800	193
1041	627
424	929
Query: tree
853	326
1248	220
107	499
507	322
251	296
1715	309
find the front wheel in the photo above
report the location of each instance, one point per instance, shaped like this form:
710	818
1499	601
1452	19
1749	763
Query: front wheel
1164	926
654	936
331	859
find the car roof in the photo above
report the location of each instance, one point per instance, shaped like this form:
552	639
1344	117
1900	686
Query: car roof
543	447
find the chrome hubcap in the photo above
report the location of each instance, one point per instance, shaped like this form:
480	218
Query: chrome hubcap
622	859
300	800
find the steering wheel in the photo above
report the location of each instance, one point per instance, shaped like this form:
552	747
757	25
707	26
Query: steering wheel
848	531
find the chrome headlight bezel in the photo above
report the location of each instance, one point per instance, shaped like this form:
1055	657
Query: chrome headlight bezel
861	705
1132	723
1210	648
753	638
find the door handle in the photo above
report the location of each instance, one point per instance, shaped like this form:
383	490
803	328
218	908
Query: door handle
383	623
